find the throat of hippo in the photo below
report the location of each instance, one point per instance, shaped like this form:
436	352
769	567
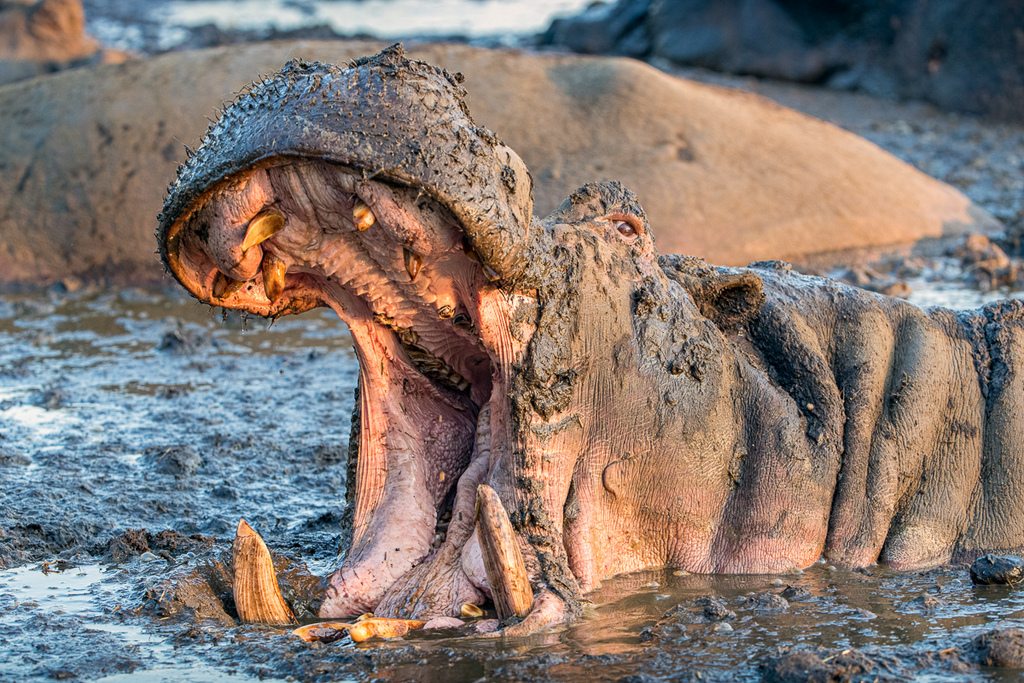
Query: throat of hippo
418	443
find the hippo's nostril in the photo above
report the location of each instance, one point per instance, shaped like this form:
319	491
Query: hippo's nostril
274	270
262	227
362	215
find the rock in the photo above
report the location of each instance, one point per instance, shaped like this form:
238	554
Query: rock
769	602
1000	647
41	37
53	398
85	157
926	602
994	570
808	667
715	609
986	266
961	55
179	461
190	593
796	593
183	341
867	278
977	249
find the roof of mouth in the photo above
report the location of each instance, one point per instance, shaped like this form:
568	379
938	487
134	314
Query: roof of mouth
398	120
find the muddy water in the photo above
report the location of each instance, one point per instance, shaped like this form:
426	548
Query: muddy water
136	428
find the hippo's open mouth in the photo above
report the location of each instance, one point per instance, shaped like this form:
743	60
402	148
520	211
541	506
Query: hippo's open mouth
431	334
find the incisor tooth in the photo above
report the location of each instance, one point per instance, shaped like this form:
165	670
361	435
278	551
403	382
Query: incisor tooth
362	215
224	286
471	611
273	275
262	228
413	261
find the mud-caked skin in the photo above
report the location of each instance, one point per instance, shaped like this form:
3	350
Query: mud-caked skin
630	410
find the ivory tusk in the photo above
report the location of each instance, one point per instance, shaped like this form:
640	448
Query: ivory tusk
262	228
257	596
506	572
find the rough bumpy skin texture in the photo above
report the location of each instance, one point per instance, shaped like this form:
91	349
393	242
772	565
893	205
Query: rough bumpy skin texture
630	411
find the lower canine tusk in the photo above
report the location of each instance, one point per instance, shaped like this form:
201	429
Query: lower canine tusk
274	270
257	596
506	572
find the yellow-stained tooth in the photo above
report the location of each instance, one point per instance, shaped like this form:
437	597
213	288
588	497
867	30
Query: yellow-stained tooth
491	274
254	587
274	270
471	611
413	261
362	215
360	630
224	286
261	228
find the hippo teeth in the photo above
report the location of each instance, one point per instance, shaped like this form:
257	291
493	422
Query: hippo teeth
224	286
413	263
257	596
434	368
362	215
503	562
274	270
262	228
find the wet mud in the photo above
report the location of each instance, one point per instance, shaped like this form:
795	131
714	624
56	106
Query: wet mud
137	428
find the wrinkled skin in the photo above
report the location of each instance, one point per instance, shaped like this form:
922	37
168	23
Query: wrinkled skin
630	411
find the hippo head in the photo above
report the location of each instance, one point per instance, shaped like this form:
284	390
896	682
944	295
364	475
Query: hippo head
370	190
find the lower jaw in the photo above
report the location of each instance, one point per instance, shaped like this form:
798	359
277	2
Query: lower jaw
362	584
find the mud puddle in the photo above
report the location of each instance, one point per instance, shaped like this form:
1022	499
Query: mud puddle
137	428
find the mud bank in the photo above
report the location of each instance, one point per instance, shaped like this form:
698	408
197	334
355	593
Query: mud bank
137	427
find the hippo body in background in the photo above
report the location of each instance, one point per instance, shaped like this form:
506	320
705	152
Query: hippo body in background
630	411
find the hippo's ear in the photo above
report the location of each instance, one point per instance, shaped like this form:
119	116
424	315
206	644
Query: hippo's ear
729	297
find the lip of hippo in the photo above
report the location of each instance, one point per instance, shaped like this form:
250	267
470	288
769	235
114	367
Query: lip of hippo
262	219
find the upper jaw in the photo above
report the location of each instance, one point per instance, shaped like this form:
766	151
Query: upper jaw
387	118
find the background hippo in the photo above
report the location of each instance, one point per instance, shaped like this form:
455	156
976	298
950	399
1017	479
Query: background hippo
629	411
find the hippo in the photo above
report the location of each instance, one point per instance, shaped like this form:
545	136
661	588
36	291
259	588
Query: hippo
608	409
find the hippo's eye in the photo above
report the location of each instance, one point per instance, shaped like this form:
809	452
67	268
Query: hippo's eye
628	226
